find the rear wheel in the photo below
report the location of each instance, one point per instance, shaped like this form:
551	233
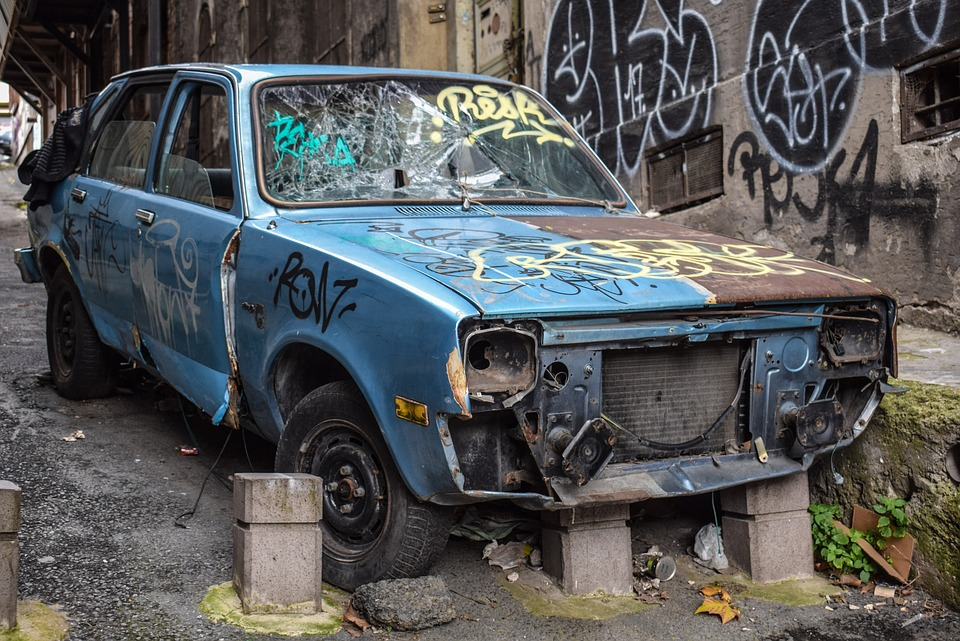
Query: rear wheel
373	527
82	366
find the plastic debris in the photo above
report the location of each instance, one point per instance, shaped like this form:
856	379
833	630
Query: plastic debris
76	435
708	547
508	556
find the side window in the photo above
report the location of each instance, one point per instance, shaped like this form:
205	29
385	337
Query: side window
123	143
195	160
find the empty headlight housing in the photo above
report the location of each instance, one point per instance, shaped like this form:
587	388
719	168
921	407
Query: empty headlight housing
500	362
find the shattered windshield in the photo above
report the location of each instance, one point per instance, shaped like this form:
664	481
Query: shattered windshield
419	139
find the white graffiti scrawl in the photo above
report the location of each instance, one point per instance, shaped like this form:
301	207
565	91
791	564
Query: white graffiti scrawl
805	66
627	77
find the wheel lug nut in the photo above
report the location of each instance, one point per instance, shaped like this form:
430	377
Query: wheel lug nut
345	470
332	487
359	492
346	509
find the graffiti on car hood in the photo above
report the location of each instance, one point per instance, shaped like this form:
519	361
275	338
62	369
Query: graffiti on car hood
572	264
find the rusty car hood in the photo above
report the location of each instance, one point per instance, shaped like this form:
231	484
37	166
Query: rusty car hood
563	264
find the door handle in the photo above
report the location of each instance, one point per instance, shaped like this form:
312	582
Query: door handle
79	195
145	217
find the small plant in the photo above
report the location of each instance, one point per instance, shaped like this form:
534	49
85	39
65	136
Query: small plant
836	548
893	520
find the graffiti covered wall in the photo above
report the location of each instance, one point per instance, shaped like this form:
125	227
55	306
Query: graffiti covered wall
808	97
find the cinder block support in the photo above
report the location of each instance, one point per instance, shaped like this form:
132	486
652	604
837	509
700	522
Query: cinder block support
9	554
588	549
766	529
277	542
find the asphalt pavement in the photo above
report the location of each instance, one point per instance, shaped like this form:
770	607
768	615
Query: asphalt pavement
99	539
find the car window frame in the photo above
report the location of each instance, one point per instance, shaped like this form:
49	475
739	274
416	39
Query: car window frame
178	94
114	104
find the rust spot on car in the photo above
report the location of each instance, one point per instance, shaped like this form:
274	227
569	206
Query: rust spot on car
458	381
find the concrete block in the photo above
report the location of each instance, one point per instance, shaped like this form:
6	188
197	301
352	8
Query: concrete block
783	494
277	567
9	507
9	572
589	557
277	498
770	547
587	515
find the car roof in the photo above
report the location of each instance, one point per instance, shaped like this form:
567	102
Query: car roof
256	72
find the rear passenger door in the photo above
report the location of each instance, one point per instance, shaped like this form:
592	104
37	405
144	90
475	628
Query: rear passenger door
100	224
182	270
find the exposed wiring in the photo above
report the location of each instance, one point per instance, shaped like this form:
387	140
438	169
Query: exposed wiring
179	521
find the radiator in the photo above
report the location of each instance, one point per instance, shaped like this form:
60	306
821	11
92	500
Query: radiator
671	395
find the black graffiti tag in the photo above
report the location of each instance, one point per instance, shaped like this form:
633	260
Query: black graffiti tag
847	194
307	294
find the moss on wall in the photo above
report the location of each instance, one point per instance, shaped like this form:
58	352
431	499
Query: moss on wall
903	453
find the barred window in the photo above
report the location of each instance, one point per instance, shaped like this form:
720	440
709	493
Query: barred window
686	172
930	97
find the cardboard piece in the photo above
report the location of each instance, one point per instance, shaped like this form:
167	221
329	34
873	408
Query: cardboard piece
900	550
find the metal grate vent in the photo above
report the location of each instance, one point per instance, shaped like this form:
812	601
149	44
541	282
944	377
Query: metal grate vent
671	395
686	173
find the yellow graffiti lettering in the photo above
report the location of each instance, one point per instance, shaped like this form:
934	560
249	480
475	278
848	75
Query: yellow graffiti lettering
511	114
642	258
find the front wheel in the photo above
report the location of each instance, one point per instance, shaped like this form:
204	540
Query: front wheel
373	527
82	366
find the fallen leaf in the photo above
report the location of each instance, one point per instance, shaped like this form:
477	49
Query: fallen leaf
717	592
850	581
355	624
725	611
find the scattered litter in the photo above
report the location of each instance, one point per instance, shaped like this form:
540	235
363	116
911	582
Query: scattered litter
885	591
717	601
911	620
853	607
708	548
186	450
512	577
508	556
76	435
490	526
828	608
536	558
46	560
868	606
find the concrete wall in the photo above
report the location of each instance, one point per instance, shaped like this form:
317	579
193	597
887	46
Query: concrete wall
359	32
807	97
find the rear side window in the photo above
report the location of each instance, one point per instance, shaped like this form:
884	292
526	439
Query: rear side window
123	143
195	152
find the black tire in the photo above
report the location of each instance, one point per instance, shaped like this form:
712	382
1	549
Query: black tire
82	366
373	527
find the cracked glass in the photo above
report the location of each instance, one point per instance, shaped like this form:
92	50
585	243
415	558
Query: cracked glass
420	140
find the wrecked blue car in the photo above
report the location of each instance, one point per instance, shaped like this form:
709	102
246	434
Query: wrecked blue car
428	291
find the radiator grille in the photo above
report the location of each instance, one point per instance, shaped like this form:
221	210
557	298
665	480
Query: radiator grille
671	395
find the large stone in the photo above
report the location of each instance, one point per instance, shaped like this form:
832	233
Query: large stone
405	604
904	453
